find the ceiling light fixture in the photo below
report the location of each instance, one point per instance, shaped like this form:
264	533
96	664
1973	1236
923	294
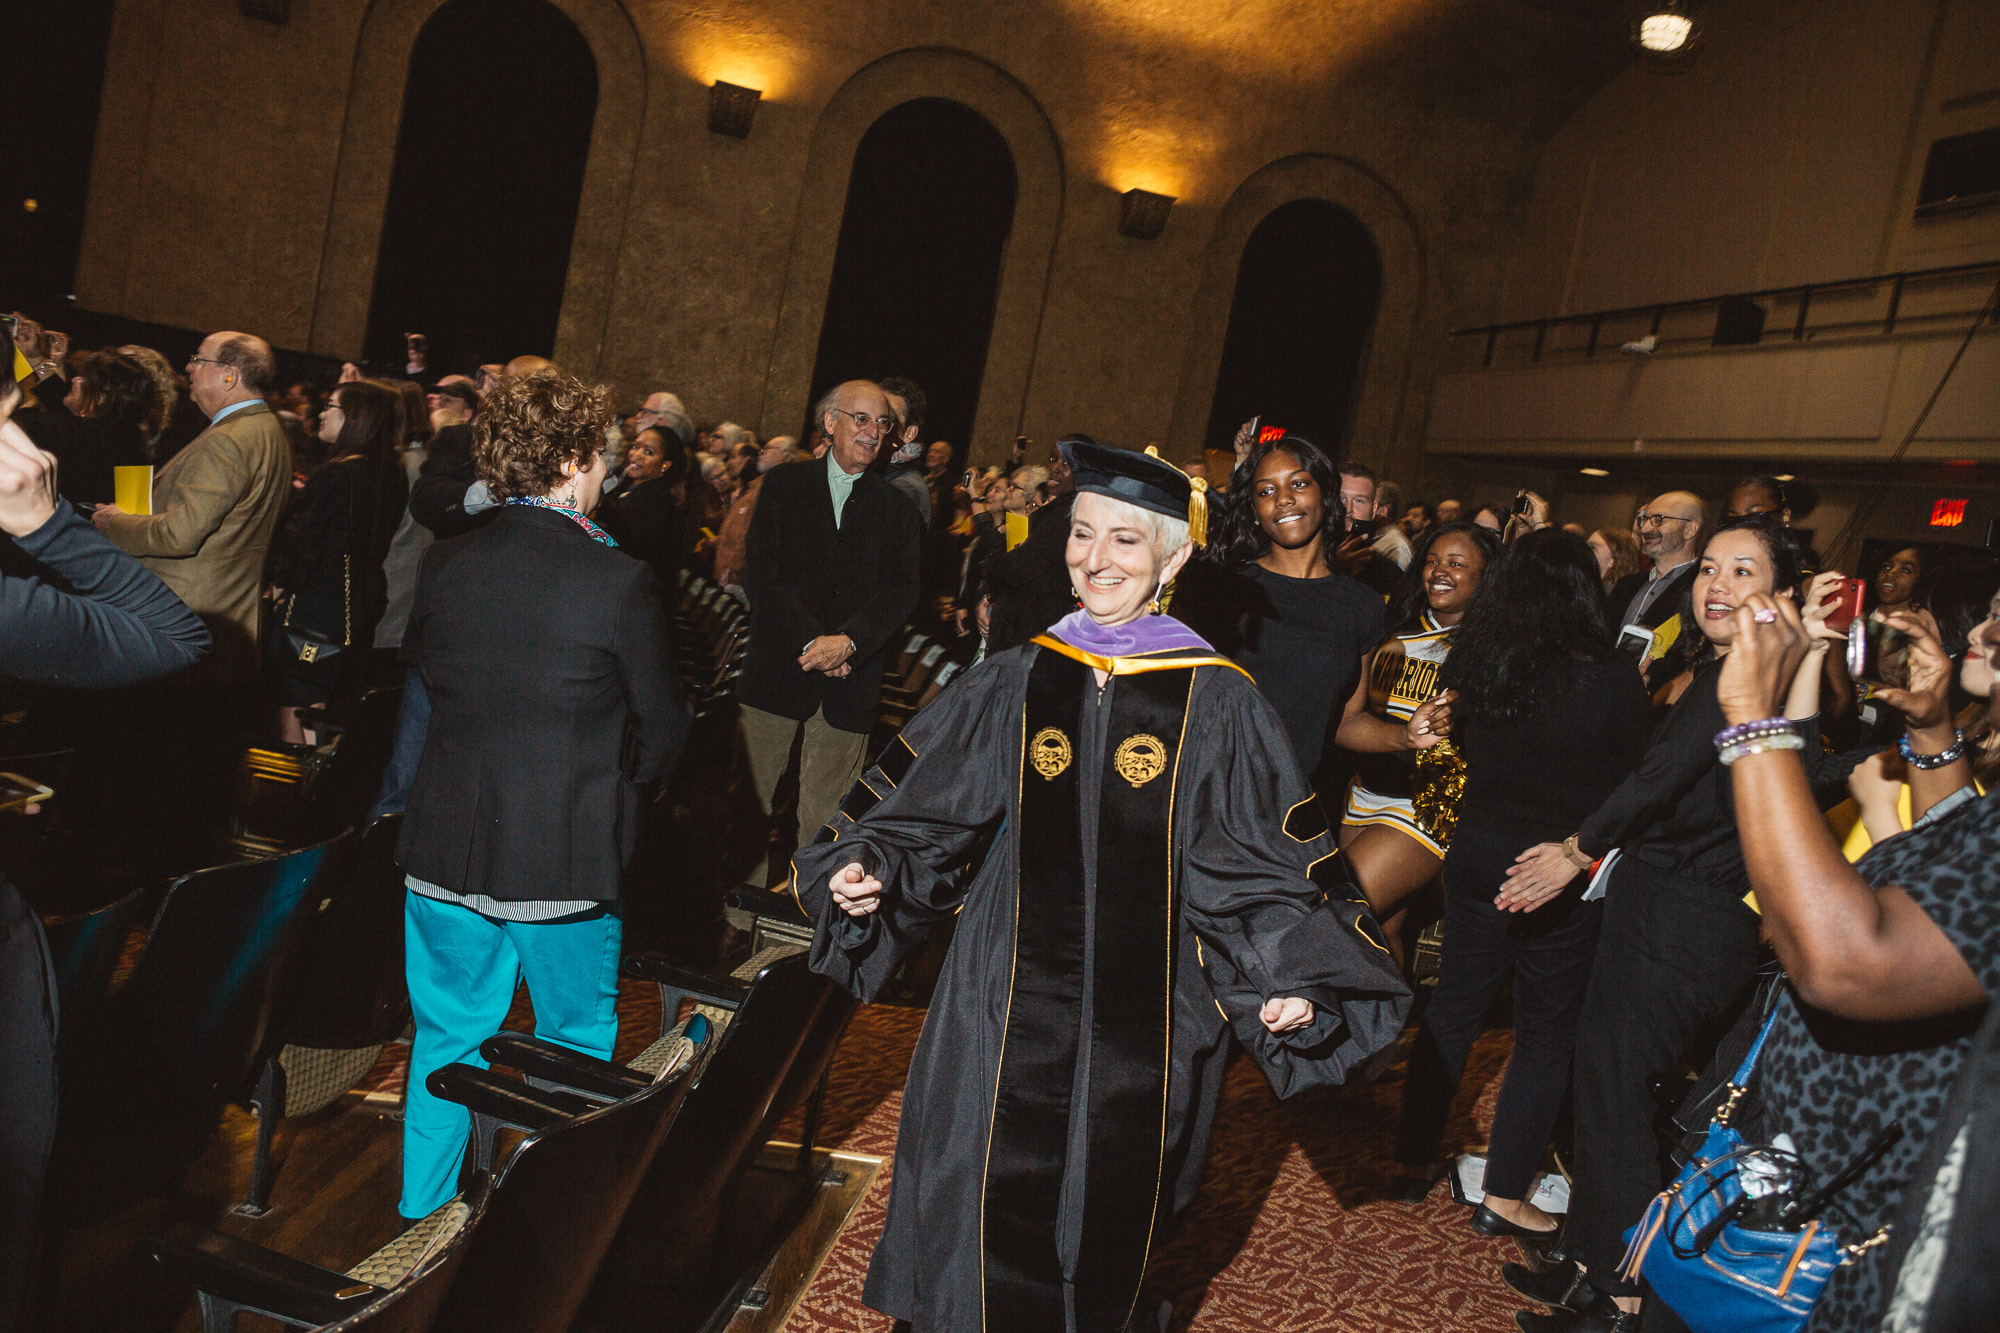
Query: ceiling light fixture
1594	471
1665	33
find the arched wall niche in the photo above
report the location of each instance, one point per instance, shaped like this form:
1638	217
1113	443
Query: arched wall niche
1024	271
368	153
1382	386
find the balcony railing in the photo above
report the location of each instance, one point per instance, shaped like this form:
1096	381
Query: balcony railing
1920	300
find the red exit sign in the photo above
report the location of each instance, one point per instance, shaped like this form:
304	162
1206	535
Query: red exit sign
1947	513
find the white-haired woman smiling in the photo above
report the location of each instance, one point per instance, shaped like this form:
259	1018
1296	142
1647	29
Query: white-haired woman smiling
1139	871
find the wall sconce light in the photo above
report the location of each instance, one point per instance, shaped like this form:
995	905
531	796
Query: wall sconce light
731	108
1143	214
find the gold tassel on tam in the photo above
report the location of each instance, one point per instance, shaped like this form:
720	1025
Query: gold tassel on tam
1197	519
1440	782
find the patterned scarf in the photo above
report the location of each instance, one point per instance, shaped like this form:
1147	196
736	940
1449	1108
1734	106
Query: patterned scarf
597	534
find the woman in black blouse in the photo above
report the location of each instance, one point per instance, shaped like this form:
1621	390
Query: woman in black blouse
1535	671
647	517
326	559
1679	946
1281	611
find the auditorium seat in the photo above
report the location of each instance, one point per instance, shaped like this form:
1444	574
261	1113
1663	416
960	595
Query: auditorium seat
296	795
527	1255
144	1075
682	1246
398	1289
345	1000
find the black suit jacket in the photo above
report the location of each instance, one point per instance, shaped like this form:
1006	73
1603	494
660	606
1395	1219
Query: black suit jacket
806	578
554	702
1664	607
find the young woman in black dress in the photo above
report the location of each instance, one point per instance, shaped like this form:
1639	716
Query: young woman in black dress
1268	596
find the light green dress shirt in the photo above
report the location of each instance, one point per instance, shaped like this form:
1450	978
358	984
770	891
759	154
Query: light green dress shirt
840	483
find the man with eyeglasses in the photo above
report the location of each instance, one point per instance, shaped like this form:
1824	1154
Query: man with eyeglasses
1669	533
214	508
831	571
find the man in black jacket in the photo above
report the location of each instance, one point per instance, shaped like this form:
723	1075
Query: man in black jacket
1669	533
832	575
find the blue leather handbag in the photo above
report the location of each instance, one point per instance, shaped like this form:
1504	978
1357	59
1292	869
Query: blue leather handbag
1716	1274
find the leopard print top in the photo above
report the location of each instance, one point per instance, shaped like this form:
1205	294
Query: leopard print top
1834	1084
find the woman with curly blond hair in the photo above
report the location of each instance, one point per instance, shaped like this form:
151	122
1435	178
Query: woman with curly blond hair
554	704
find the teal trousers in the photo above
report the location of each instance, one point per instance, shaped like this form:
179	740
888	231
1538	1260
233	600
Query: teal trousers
463	968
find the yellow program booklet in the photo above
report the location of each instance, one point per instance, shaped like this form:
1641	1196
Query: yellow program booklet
133	489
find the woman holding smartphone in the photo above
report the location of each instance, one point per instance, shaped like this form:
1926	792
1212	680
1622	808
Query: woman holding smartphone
1679	945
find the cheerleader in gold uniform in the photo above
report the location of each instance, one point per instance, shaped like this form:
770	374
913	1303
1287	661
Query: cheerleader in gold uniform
1399	809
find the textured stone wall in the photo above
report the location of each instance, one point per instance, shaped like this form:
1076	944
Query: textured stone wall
241	170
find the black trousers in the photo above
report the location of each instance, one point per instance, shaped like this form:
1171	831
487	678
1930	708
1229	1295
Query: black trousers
1548	954
1674	958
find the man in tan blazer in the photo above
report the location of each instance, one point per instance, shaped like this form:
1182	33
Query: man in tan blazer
216	503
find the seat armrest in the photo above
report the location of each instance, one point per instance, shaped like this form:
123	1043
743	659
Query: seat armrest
569	1070
769	903
249	1275
707	987
507	1100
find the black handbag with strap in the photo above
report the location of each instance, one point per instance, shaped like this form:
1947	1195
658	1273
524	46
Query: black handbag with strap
321	655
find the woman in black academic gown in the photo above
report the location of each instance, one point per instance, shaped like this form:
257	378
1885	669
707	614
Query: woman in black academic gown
1156	876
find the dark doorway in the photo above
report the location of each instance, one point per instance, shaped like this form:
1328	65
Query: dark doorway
929	206
482	201
55	80
1304	308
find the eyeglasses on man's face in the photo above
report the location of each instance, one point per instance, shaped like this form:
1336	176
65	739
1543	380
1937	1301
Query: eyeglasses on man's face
1642	520
203	361
862	420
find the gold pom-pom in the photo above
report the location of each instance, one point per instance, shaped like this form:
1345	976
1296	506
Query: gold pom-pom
1439	783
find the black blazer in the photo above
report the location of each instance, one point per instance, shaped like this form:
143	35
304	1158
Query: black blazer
806	578
554	702
1664	607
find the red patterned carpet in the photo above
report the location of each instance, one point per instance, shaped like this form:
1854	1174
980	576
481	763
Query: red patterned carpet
1289	1234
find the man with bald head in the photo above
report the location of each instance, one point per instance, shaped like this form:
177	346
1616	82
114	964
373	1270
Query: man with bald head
831	571
216	503
214	507
1669	533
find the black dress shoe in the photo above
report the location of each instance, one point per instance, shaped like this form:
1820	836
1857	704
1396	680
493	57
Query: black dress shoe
1564	1287
1600	1316
1489	1223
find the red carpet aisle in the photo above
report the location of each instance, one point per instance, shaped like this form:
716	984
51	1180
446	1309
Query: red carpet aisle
1289	1234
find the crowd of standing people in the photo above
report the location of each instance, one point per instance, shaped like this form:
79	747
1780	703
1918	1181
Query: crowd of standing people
1600	759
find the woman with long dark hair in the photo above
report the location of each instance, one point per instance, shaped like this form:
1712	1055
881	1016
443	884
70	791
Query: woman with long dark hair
1679	946
1398	708
327	584
1549	719
646	516
1268	596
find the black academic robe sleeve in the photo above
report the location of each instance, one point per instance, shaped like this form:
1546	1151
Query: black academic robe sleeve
1267	928
949	788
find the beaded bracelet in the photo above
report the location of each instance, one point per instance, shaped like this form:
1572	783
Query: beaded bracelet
1927	762
1743	731
1778	740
